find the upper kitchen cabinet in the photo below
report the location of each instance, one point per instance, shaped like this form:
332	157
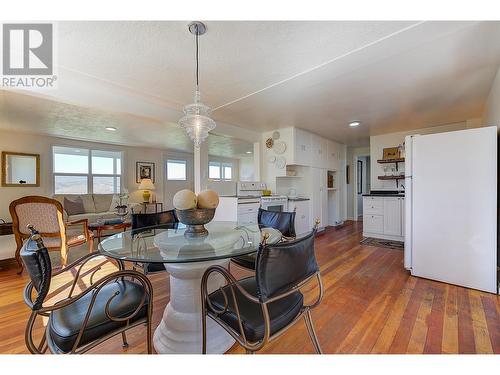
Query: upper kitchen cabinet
319	153
333	155
302	147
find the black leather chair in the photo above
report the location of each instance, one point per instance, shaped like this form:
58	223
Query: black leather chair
142	223
258	309
110	306
282	221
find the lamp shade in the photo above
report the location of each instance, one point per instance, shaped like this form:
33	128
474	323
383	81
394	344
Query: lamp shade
146	184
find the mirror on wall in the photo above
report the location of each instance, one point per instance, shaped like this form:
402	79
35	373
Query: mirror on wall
19	169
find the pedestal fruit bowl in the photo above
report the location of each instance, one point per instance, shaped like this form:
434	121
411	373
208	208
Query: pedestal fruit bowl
195	211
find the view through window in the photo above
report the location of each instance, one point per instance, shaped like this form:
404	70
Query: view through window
83	171
176	170
220	171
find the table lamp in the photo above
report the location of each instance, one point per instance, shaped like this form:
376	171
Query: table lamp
146	185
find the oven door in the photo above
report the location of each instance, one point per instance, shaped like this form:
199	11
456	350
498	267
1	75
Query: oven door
274	206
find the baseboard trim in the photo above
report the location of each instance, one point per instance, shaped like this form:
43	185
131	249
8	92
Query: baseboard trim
384	236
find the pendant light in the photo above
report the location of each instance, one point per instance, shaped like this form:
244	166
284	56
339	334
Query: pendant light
196	121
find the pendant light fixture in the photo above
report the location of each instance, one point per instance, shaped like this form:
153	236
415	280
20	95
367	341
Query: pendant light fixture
196	121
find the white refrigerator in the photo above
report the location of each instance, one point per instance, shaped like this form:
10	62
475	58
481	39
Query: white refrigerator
451	207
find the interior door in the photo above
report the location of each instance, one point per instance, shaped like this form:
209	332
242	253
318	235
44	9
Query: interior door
454	207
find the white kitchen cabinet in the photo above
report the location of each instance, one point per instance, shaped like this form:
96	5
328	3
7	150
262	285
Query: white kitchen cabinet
392	216
319	198
319	151
302	221
373	223
302	147
333	155
383	217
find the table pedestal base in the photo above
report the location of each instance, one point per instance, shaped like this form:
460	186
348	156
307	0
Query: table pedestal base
180	328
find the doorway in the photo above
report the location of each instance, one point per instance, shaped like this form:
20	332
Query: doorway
362	182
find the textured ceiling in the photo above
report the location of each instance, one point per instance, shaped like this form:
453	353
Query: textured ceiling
392	76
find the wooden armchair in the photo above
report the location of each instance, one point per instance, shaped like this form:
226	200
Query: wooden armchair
46	215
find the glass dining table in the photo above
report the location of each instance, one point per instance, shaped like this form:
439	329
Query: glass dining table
186	259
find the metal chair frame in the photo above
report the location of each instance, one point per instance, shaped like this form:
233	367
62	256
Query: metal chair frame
208	309
95	287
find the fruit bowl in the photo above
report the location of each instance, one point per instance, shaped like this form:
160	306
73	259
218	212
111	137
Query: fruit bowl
195	220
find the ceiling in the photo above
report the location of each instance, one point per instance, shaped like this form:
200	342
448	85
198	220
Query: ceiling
136	76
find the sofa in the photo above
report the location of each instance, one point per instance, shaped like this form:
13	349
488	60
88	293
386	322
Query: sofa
95	206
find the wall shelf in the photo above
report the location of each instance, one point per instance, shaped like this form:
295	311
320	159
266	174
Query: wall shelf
385	161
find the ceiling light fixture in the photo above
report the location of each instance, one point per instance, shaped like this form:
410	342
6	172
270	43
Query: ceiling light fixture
248	152
110	128
353	124
196	120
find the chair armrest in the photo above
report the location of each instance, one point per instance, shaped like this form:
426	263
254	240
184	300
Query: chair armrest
94	288
94	291
85	225
232	283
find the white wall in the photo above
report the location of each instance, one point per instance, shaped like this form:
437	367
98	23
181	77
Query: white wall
379	142
247	169
38	144
491	113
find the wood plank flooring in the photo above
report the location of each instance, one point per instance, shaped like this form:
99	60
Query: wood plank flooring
371	305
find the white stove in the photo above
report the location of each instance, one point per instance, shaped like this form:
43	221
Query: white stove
274	202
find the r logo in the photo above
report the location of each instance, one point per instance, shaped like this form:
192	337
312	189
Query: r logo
27	49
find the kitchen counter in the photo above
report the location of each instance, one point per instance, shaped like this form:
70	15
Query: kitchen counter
298	199
384	193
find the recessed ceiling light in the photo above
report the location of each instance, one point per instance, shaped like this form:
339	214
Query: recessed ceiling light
249	152
353	124
110	128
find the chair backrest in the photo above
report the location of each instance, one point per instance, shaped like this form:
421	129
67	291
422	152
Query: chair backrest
165	219
43	213
282	221
282	266
36	259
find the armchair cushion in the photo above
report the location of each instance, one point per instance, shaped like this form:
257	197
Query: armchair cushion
65	323
281	312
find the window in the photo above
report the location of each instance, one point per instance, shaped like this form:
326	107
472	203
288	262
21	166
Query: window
227	171
83	171
176	170
214	170
220	171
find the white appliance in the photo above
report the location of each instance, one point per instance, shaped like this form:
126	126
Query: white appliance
274	203
451	207
249	194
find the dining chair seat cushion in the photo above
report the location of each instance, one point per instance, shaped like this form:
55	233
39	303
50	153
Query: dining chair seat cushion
65	323
281	312
245	261
154	267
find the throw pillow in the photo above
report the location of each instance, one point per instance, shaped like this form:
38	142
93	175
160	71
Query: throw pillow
115	201
74	207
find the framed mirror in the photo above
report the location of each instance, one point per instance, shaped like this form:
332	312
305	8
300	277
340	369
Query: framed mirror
19	169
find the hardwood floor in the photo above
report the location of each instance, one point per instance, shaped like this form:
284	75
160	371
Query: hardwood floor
371	305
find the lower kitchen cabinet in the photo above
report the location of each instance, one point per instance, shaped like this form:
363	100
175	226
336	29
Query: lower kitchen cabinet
383	217
302	221
248	213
